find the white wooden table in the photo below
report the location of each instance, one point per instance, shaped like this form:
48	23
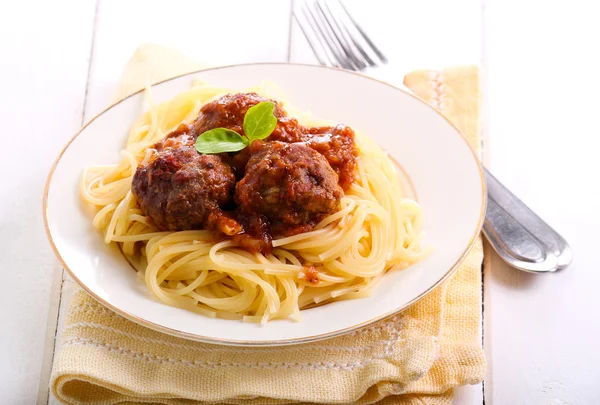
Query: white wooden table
60	62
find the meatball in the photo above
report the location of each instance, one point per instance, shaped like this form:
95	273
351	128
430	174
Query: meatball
229	111
338	147
179	188
291	184
336	144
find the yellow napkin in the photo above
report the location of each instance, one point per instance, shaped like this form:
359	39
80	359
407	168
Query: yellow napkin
416	357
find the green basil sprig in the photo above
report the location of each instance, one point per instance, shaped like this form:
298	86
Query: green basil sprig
259	123
220	140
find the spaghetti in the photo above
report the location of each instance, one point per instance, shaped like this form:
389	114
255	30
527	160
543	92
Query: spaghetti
341	258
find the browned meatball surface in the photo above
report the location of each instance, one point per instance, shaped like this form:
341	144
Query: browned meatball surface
338	147
179	188
335	143
291	184
229	111
286	183
182	135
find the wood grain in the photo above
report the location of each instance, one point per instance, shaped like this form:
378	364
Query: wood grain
541	332
44	69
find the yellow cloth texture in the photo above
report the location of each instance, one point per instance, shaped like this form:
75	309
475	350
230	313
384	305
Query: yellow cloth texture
415	357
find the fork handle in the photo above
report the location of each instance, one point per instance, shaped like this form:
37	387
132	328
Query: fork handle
519	236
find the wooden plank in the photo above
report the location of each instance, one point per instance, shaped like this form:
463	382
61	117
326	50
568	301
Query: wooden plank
543	84
215	33
44	66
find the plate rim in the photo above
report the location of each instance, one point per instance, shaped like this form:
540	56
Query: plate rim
278	342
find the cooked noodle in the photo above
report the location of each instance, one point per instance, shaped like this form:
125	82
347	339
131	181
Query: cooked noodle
375	229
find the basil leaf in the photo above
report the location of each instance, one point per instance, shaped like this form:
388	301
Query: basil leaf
259	121
220	140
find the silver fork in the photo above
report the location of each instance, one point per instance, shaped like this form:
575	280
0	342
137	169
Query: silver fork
519	236
339	40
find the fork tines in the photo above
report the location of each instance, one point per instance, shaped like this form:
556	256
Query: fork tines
335	37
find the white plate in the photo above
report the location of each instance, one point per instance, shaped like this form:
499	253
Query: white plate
444	171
